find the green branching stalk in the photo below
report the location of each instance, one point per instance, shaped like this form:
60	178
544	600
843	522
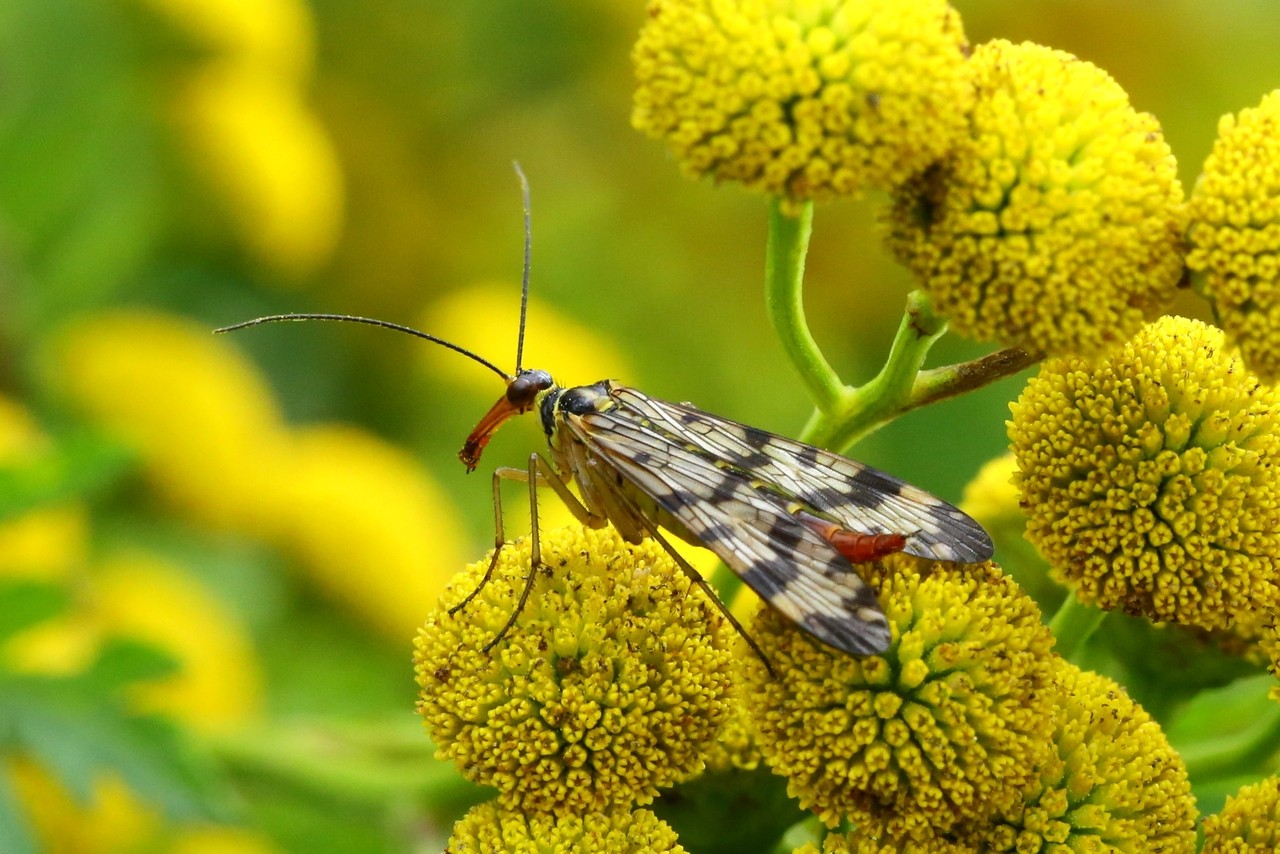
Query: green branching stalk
785	252
1073	625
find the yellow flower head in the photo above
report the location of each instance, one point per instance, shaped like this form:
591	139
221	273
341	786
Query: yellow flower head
1249	822
47	543
1056	225
736	748
861	842
267	161
1113	783
948	724
368	525
272	37
200	416
1151	477
614	680
219	683
1235	232
803	99
487	827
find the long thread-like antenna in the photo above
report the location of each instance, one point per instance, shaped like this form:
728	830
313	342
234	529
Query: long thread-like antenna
528	251
369	321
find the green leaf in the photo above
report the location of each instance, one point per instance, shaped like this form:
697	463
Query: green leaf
76	732
76	465
124	660
26	603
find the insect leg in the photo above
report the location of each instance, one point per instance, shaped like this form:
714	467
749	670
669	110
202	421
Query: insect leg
499	538
696	577
540	473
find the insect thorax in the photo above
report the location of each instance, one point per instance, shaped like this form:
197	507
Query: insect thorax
603	489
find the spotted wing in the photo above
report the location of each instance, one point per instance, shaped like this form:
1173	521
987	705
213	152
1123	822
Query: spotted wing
860	498
787	562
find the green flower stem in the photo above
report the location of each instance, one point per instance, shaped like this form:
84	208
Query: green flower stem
785	253
861	410
1073	625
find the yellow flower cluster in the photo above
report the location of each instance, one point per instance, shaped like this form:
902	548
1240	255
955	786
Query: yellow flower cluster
363	518
947	726
1056	225
487	827
858	842
1235	232
1150	477
613	682
249	135
48	543
1249	822
1112	783
803	99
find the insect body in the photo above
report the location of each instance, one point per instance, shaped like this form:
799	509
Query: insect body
789	518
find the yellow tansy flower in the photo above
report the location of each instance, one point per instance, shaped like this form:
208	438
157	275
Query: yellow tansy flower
47	543
368	525
1113	783
1235	232
947	725
489	828
612	683
1151	477
1249	822
219	683
201	417
110	821
485	316
219	839
273	37
1057	224
803	99
268	161
858	842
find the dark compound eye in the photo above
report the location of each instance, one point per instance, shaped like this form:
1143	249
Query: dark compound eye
522	390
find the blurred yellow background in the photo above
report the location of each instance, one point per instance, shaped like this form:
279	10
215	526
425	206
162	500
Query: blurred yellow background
171	166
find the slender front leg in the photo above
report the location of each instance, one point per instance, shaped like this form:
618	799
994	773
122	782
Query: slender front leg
540	473
696	577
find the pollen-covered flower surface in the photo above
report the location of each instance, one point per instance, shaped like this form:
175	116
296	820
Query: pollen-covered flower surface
1056	225
804	100
1152	478
947	725
489	828
1235	232
1249	822
613	682
1112	782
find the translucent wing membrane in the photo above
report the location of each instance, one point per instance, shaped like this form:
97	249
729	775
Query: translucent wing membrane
861	498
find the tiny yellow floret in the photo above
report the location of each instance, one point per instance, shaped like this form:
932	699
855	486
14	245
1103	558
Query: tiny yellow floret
803	99
1152	478
949	724
613	682
1249	822
1056	225
1112	783
1235	232
488	828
